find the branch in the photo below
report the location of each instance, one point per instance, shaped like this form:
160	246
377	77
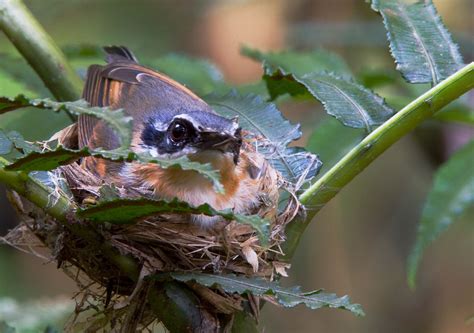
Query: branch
63	210
25	32
37	193
176	305
356	160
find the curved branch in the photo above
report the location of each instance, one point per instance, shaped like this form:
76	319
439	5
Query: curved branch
60	207
356	160
37	193
162	298
37	47
50	64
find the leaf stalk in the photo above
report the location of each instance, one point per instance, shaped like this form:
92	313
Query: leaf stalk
378	141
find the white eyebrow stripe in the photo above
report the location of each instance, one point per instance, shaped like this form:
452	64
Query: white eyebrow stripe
185	117
196	124
193	121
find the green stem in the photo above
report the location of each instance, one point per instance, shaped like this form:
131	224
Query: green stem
48	61
37	193
180	309
25	32
59	206
356	160
162	299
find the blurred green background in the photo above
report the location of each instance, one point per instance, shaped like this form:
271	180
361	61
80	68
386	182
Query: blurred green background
359	243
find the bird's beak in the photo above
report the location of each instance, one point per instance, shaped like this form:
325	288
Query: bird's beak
224	142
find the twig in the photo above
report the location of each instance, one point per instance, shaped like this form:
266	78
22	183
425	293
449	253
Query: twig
48	61
25	32
375	144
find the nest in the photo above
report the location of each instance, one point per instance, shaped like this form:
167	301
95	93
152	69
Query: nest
163	243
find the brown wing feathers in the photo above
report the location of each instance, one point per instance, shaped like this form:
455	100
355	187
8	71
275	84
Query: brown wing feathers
123	83
86	123
99	88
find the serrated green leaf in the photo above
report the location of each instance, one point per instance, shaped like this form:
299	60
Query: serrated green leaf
121	123
199	75
129	210
273	131
299	63
51	158
6	145
331	140
349	102
22	119
12	103
288	297
419	42
46	160
281	82
256	116
21	144
279	68
115	118
452	193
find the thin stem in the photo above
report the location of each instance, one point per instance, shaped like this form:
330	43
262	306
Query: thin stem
48	61
179	298
60	207
25	32
375	144
54	204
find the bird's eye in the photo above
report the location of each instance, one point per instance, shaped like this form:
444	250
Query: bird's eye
178	131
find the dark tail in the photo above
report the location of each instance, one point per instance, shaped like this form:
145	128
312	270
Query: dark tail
119	53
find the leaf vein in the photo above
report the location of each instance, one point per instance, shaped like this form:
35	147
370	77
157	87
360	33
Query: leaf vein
433	69
364	115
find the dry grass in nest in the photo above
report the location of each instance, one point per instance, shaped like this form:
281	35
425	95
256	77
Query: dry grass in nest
170	242
163	243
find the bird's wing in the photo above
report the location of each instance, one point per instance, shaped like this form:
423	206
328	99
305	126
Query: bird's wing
140	91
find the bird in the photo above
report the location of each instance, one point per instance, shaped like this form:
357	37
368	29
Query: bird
170	121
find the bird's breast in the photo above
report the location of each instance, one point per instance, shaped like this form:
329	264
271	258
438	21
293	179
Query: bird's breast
194	188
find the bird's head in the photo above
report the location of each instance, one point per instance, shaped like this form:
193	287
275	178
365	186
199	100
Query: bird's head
194	134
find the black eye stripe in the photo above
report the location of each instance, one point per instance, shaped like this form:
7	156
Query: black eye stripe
151	136
189	133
